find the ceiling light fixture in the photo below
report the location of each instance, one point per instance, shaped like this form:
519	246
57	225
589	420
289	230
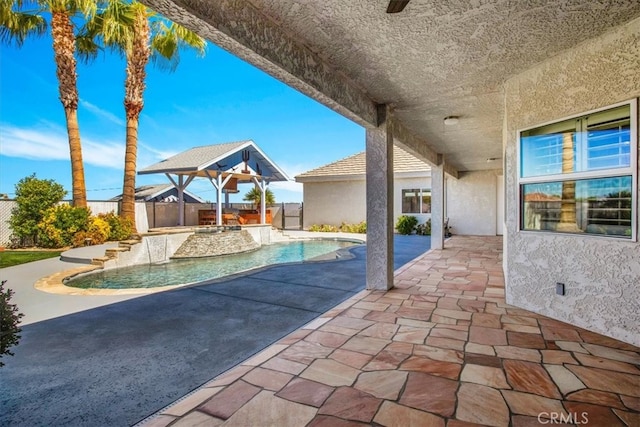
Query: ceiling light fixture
451	120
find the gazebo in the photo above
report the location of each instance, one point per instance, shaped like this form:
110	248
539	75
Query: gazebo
225	166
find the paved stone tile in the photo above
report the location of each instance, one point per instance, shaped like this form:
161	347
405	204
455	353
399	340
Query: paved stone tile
385	360
454	314
484	375
525	421
198	419
356	312
411	334
351	404
429	393
229	377
445	343
597	397
330	372
521	328
613	353
394	415
571	346
266	378
366	345
519	320
433	367
517	353
525	340
629	418
400	347
374	306
416	323
327	339
380	330
593	414
601	379
562	333
229	400
557	357
566	381
191	401
381	384
483	359
532	405
471	347
383	317
611	365
594	338
631	402
461	335
530	377
435	353
265	409
284	365
316	323
327	421
458	423
306	392
482	405
294	336
487	336
305	352
351	358
350	323
160	421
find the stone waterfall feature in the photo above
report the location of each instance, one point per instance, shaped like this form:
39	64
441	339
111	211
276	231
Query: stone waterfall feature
205	243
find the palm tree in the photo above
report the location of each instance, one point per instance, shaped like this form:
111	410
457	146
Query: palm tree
255	196
16	24
140	35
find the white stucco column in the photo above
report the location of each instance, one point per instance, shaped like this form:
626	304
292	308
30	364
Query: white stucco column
180	186
437	206
262	185
379	185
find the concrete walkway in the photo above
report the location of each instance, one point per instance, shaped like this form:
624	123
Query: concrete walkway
120	362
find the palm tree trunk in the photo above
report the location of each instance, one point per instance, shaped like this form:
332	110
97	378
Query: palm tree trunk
64	48
137	59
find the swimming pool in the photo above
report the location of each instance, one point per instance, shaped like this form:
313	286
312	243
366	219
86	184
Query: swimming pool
185	271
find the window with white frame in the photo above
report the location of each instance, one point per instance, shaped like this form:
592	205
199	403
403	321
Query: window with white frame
580	175
416	201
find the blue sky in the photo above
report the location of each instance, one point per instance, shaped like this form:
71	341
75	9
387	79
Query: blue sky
210	100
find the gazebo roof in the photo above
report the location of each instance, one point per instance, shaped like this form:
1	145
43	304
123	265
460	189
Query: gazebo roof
224	158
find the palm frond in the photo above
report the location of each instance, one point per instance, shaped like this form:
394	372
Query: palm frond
16	23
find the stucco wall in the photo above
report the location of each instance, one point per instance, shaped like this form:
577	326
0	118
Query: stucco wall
336	202
471	203
602	275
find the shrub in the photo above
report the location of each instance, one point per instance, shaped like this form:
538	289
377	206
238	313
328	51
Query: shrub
360	228
121	228
424	229
9	320
406	224
324	228
33	197
60	224
97	231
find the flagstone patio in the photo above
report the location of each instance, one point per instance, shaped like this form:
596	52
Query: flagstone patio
440	349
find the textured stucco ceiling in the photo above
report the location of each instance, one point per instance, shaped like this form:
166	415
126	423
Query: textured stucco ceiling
434	59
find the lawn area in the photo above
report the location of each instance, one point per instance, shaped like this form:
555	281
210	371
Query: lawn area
11	258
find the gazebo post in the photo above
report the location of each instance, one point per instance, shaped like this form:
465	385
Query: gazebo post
262	185
180	186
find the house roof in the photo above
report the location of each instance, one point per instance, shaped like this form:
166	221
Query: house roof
355	165
220	158
147	192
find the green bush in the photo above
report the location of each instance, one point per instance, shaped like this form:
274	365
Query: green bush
324	228
360	228
60	224
424	229
121	228
406	224
33	198
9	320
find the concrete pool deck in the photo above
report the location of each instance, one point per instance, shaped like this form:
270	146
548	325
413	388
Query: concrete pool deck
117	362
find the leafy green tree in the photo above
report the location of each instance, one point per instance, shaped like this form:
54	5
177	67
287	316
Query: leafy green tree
20	19
9	320
33	197
255	196
140	35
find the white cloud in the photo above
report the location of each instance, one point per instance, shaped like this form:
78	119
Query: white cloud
51	143
102	113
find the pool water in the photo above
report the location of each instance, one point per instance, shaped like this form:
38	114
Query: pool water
184	271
